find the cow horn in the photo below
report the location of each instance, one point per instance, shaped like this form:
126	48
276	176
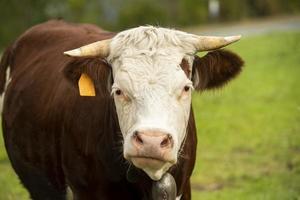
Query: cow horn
100	49
206	43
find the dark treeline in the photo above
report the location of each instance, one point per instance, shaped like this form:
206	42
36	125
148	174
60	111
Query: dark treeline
17	15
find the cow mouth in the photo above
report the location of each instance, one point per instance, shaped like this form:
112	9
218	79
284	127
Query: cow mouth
154	163
149	158
154	167
147	161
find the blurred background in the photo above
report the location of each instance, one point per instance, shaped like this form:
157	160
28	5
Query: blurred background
249	131
115	15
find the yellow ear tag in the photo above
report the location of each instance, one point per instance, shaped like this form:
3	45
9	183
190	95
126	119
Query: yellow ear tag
86	86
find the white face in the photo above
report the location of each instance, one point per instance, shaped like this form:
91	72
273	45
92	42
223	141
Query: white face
152	96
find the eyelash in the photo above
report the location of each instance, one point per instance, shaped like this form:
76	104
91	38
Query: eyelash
116	91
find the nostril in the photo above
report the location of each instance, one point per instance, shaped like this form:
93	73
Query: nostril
166	142
137	137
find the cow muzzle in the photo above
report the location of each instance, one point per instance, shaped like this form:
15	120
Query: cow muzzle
152	151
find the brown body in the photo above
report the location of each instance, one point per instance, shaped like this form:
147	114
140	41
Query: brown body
56	138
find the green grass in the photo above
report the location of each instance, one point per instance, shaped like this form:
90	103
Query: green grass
248	132
10	187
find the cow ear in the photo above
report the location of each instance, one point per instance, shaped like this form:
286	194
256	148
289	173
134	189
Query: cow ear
90	76
215	69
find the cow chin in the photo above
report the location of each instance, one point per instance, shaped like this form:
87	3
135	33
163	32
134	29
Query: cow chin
154	168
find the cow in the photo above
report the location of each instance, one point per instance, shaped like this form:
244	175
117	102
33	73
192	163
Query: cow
106	114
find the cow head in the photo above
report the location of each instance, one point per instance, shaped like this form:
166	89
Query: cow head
155	71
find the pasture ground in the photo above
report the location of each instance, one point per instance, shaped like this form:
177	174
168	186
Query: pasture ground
248	132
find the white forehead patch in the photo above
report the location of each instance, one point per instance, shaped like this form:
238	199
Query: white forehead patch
155	43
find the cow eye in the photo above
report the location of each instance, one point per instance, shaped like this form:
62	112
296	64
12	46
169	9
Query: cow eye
118	92
121	95
186	88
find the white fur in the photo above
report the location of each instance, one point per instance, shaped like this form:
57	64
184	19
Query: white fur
146	67
8	80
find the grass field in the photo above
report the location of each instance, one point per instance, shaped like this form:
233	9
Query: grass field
248	132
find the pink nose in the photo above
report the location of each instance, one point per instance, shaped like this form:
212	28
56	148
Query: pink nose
152	142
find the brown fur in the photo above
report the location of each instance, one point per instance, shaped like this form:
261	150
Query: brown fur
55	138
185	67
